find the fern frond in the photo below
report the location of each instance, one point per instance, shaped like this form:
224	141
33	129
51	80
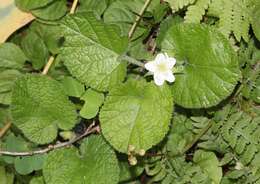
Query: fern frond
235	18
242	133
195	12
177	5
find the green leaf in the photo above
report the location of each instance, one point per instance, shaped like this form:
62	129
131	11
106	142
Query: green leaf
91	51
95	163
50	34
11	56
73	87
37	180
183	133
136	113
6	177
39	107
7	79
210	68
35	49
26	165
97	6
176	5
27	5
123	14
256	21
93	100
209	163
52	11
255	95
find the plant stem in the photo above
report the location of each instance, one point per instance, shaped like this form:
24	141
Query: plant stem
74	6
5	129
132	61
89	130
138	18
48	65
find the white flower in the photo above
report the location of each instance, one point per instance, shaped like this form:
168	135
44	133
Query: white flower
161	68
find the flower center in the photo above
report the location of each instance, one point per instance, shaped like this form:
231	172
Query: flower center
162	67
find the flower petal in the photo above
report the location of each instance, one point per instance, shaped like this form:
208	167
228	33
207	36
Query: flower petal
171	61
158	79
160	58
151	66
169	76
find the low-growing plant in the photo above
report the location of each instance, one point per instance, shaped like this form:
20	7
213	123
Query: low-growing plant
132	91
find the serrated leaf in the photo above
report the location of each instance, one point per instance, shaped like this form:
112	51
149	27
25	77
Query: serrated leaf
91	51
52	11
97	6
27	5
39	107
209	163
136	113
96	163
177	5
93	100
35	49
7	79
50	34
11	56
123	14
210	68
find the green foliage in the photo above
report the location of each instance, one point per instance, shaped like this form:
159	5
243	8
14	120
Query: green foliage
129	111
96	161
234	16
35	49
32	4
22	165
204	67
97	6
202	128
12	56
91	51
176	5
195	12
93	100
256	22
40	107
49	12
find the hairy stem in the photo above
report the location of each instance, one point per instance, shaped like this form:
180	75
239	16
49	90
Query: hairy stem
138	18
89	130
